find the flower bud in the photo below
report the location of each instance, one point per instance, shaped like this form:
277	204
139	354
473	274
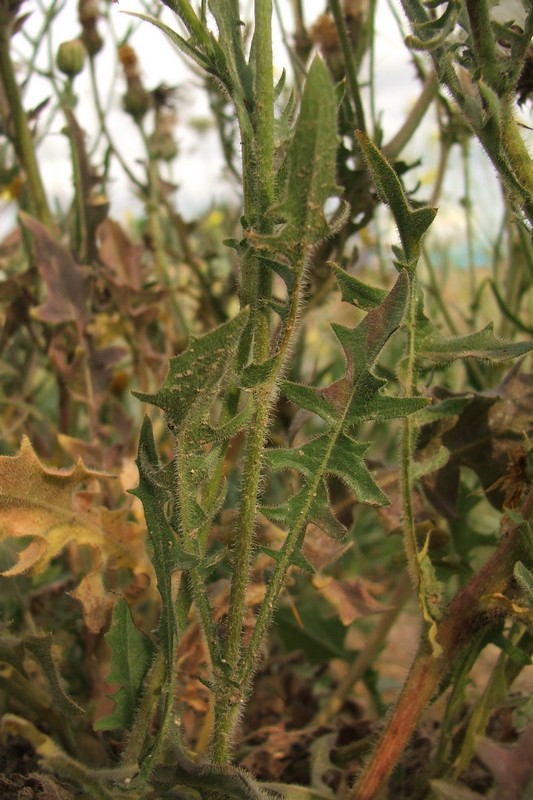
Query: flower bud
136	101
71	57
162	143
92	40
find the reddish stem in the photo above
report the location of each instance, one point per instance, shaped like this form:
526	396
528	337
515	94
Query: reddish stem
465	616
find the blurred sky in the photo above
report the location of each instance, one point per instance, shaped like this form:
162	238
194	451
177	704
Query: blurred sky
198	170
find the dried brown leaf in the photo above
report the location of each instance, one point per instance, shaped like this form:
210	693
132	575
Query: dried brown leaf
512	767
120	256
321	550
483	437
52	507
95	601
66	282
351	598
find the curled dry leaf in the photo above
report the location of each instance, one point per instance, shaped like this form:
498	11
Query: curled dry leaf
95	601
512	767
351	598
120	256
486	436
57	508
65	280
321	550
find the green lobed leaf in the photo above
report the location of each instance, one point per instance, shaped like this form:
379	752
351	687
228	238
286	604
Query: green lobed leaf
363	343
342	404
412	223
300	509
344	460
449	407
311	169
167	554
482	345
299	559
255	374
189	49
309	397
230	51
356	292
133	653
228	429
369	402
194	376
162	537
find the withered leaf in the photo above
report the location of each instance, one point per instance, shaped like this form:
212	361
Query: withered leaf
351	598
120	256
66	281
52	507
512	767
482	437
95	601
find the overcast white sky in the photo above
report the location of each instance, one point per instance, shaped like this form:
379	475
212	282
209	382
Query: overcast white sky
198	169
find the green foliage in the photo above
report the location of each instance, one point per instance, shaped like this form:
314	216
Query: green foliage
303	406
310	172
133	654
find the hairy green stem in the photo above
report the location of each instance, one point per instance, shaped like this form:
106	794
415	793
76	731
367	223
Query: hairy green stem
408	440
242	665
264	109
227	707
257	286
483	41
189	539
145	711
264	160
253	458
290	546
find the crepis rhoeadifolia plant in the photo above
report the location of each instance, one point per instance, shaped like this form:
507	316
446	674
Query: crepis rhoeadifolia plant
234	483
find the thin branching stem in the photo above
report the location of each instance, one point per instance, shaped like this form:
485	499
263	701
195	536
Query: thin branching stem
21	135
349	63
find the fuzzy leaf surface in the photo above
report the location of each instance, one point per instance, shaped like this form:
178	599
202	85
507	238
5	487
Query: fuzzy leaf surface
167	554
356	292
194	376
483	345
342	404
412	223
311	161
133	654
